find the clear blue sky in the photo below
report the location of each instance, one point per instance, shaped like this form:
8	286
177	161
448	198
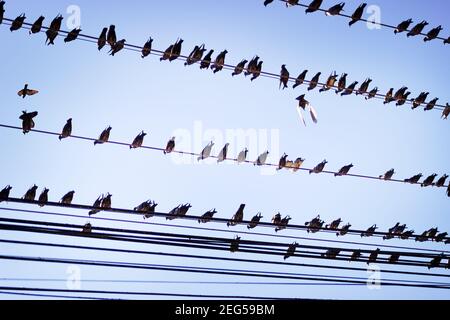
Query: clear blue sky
131	94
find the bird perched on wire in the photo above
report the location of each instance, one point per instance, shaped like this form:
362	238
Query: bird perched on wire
257	71
446	112
319	168
282	162
101	42
170	146
27	121
111	37
73	35
314	225
400	93
239	68
104	136
342	83
207	216
147	49
373	256
223	153
283	223
37	25
447	41
252	66
417	29
138	141
429	181
388	97
344	170
219	62
330	82
2	10
276	219
420	99
242	157
4	194
403	99
255	220
357	15
173	214
331	253
372	93
314	81
415	179
234	244
176	50
344	230
403	26
27	92
206	62
18	22
297	164
53	30
284	77
67	198
364	87
291	250
67	130
87	228
440	237
335	10
96	206
116	47
433	34
43	198
262	159
369	232
196	55
388	175
31	193
238	216
441	182
334	225
430	105
436	261
350	89
300	79
206	153
106	202
147	208
355	255
314	6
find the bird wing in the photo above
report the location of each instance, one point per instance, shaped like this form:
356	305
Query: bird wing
20	93
313	113
32	92
302	119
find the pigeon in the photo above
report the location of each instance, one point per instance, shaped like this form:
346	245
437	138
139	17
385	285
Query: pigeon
27	121
234	244
372	93
431	104
4	194
436	261
252	66
407	234
147	49
420	99
67	130
297	164
170	146
335	10
111	37
403	99
206	153
373	256
314	6
314	225
403	26
400	93
388	175
350	89
446	112
429	181
101	42
331	253
2	10
441	182
302	102
414	180
242	157
73	35
53	30
440	237
314	81
291	250
355	255
344	170
206	62
255	220
104	137
432	233
283	223
238	216
262	159
43	198
27	92
196	55
334	225
106	202
116	47
267	2
388	98
68	197
342	83
433	34
319	168
223	153
369	232
364	87
31	193
282	162
422	238
276	219
300	79
219	62
96	205
37	25
176	50
173	214
18	22
330	82
417	29
207	216
257	71
148	208
239	68
138	141
87	228
394	258
284	77
357	15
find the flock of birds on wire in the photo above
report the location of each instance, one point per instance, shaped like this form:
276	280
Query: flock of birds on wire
200	55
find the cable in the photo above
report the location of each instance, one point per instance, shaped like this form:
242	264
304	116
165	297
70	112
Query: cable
50	296
156	52
213	157
189	217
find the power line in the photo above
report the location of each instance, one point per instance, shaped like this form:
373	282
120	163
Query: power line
193	154
229	67
51	296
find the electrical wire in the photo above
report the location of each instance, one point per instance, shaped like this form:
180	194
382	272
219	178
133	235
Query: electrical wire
212	157
36	295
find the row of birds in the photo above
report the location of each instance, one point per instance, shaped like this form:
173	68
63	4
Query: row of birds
358	13
284	163
147	209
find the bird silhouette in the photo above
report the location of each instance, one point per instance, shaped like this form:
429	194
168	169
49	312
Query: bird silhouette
207	216
447	41
403	99
276	219
262	159
67	130
429	180
73	35
291	250
252	66
364	87
116	47
147	49
239	68
372	93
297	164
330	82
106	202
255	221
373	256
43	198
282	162
101	42
417	29
238	217
68	198
27	121
283	223
335	10
96	206
284	77
206	153
31	193
414	179
196	55
219	62
53	31
342	83
436	261
300	79
369	232
388	98
399	94
223	153
302	102
314	81
4	194
37	25
17	22
350	89
138	141
176	50
420	99
344	170
441	182
234	244
242	157
291	3
257	71
314	6
430	105
104	136
170	146
27	92
319	168
388	175
355	255
111	37
446	112
433	34
357	15
334	225
403	26
206	62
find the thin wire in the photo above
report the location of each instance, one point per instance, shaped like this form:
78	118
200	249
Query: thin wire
51	296
156	52
212	157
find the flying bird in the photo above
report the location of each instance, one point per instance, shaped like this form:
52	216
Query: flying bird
219	62
96	206
67	130
433	34
388	175
330	82
37	25
314	81
238	216
319	168
429	181
242	157
414	179
239	68
284	77
262	159
291	250
147	49
417	29
372	93
302	102
53	30
101	42
314	6
27	92
344	170
138	141
207	216
350	89
73	35
342	83
27	121
111	37
104	136
206	62
43	198
206	153
4	194
403	26
31	193
18	22
300	79
335	10
357	15
282	162
223	153
255	220
116	47
441	182
170	146
67	198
